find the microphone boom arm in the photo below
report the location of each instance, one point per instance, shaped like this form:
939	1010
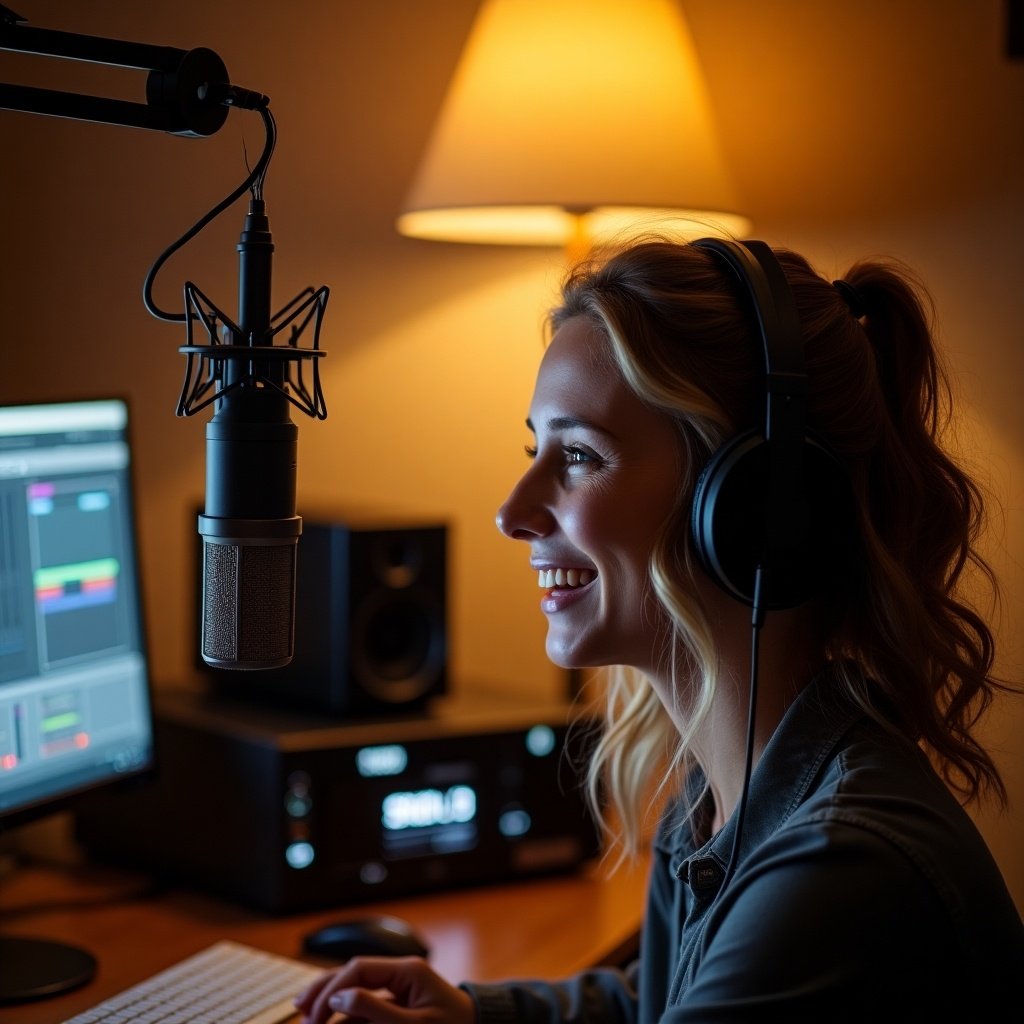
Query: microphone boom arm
188	92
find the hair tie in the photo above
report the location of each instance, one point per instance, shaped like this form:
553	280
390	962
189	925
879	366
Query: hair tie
851	297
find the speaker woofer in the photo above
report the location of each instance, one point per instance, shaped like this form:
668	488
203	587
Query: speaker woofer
398	644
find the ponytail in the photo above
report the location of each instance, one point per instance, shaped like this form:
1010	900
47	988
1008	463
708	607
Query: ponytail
915	630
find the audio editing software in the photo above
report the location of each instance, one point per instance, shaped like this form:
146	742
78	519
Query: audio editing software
73	689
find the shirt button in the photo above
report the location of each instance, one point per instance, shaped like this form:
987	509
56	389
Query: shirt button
704	875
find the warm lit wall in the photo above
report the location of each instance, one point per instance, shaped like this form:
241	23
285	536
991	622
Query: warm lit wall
852	129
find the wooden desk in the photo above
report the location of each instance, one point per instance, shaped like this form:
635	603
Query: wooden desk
547	927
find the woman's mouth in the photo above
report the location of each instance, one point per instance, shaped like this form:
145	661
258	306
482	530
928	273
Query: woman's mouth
548	579
563	587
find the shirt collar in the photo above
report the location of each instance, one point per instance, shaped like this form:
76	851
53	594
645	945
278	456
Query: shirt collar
804	740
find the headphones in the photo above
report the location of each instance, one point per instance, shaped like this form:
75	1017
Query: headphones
771	512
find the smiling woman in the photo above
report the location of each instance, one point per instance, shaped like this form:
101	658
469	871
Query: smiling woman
739	501
606	467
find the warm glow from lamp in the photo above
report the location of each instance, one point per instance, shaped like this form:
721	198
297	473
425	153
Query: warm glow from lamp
569	120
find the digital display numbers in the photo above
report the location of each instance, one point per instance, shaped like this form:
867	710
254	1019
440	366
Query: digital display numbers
419	817
427	808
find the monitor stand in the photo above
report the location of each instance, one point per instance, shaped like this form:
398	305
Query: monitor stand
37	968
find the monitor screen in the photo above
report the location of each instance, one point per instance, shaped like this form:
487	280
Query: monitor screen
75	707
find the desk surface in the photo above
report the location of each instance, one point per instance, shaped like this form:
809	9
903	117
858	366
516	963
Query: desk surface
547	927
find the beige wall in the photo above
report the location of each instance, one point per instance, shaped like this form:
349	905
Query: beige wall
890	126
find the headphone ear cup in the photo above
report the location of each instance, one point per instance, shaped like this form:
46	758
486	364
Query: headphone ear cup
730	516
723	548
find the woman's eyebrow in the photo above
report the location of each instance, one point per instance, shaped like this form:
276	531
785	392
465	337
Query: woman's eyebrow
568	423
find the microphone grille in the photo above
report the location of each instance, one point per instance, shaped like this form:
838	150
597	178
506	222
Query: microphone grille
248	602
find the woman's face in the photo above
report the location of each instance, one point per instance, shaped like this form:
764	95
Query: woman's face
602	481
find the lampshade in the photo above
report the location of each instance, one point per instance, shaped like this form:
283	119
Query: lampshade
570	116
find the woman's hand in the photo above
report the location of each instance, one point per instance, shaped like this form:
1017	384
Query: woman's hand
386	990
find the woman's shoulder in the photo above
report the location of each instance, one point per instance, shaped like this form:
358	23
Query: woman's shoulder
879	805
843	788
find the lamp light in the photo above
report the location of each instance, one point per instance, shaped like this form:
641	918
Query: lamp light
569	122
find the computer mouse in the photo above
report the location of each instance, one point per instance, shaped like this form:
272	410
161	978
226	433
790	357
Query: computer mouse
379	935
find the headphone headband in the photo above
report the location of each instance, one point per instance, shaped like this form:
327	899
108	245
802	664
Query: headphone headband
771	301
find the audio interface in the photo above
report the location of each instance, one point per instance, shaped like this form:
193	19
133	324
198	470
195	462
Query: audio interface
287	811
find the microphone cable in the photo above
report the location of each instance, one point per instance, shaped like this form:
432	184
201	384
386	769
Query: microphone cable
254	181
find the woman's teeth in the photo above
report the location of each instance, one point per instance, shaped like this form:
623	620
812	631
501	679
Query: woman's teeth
548	578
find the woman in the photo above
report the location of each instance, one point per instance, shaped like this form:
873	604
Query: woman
739	499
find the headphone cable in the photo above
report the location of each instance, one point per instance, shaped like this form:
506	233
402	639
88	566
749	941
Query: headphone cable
757	620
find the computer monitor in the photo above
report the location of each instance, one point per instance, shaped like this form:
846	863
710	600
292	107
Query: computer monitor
75	708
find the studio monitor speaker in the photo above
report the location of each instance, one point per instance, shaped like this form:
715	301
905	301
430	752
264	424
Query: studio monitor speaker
371	620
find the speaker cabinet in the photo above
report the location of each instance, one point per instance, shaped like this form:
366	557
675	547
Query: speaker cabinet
371	620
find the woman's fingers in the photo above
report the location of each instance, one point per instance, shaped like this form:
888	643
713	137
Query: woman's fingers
385	990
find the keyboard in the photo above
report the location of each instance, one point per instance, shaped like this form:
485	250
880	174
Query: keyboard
226	983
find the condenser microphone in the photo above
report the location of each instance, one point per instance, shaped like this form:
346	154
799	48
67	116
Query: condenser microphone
249	525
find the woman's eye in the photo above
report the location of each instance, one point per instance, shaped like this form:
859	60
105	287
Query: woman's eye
572	455
576	455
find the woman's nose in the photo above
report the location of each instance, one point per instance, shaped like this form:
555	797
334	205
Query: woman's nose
522	517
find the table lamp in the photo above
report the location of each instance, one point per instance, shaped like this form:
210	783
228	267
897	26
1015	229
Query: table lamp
572	123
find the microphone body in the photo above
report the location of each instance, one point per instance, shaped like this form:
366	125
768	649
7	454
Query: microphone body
249	525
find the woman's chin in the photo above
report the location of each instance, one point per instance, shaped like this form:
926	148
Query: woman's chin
560	655
566	653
